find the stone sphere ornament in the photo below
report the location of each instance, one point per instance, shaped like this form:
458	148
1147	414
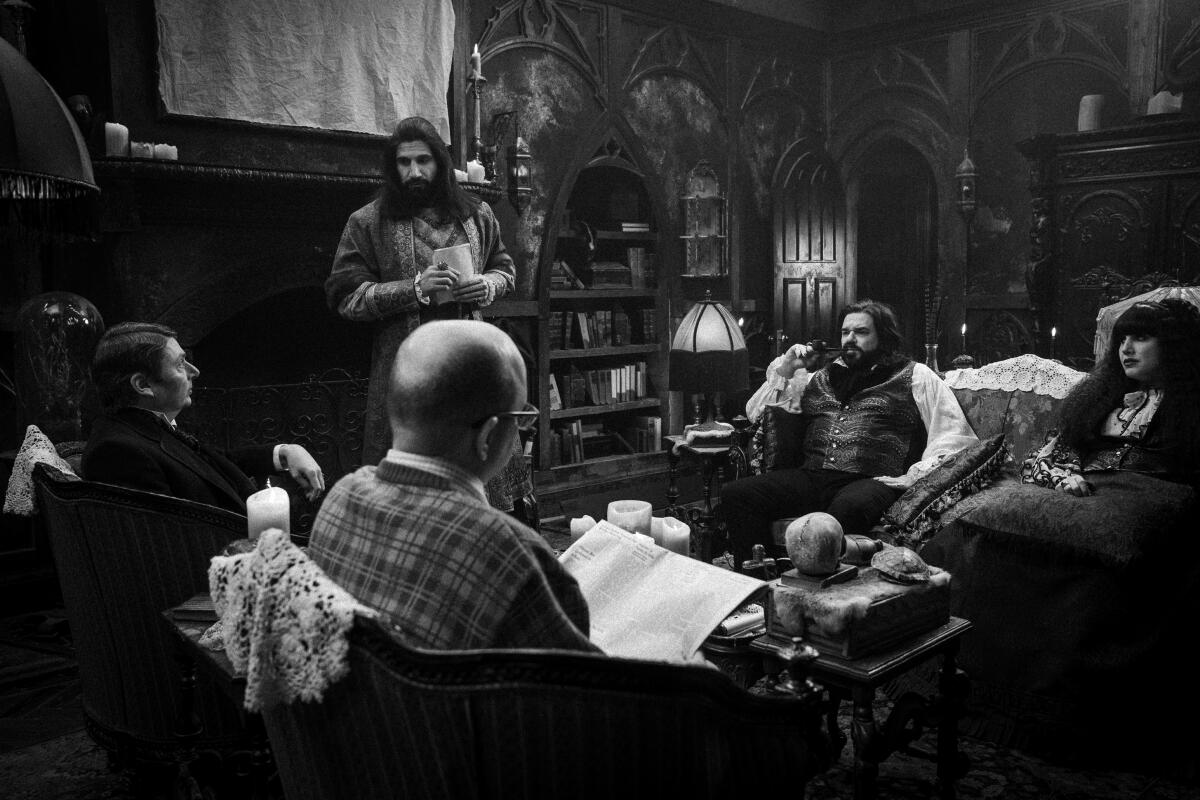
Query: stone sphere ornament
814	543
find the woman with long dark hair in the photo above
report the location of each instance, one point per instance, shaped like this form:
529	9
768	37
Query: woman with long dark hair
1137	410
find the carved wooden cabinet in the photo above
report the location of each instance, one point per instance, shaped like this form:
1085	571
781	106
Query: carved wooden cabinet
1115	212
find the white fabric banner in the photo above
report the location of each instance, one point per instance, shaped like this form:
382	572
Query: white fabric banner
350	65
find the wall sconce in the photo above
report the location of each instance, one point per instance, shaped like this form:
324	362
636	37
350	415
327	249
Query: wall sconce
520	174
518	160
965	179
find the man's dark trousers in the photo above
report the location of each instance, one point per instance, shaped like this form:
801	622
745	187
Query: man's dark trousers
750	505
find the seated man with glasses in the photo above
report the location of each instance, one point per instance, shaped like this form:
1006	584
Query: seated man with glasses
415	537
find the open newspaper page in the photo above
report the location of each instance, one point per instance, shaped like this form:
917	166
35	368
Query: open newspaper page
647	602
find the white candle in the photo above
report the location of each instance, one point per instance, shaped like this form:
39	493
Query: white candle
116	139
268	509
632	515
676	536
580	526
141	150
475	171
656	529
475	62
166	152
964	337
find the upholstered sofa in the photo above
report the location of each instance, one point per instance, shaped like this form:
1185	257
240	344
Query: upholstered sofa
1081	606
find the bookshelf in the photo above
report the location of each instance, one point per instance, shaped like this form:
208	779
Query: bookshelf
603	340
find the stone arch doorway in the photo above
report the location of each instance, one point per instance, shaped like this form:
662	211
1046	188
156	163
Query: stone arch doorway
892	199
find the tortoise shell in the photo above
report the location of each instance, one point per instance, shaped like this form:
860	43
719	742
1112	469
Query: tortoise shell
901	565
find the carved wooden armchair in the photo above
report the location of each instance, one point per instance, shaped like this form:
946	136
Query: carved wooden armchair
123	556
538	723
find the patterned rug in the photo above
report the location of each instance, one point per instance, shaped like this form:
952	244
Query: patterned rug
45	755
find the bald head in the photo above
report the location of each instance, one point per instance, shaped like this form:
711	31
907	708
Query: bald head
448	375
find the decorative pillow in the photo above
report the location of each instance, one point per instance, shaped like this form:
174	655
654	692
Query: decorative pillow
36	449
915	517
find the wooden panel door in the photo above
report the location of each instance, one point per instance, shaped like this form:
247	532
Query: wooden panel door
810	247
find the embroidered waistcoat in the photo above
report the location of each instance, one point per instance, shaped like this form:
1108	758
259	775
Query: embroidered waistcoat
870	434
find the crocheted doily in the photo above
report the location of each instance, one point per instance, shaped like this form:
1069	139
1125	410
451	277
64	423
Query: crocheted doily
19	498
283	622
1026	373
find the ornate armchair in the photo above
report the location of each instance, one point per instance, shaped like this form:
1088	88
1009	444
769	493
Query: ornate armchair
524	723
122	557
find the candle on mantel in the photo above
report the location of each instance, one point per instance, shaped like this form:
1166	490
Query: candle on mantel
1053	336
475	62
676	536
964	337
268	509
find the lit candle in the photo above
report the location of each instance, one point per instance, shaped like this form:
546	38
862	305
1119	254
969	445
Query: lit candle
964	337
676	536
268	509
1053	335
632	515
475	62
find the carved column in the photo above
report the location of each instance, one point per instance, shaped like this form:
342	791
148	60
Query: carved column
1040	270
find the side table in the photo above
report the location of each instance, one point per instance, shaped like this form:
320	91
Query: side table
713	462
254	768
858	678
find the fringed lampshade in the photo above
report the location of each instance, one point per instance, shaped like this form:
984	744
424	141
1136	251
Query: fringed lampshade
708	353
47	189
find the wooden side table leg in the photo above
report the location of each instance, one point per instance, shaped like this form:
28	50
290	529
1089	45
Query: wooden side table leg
952	689
865	734
672	509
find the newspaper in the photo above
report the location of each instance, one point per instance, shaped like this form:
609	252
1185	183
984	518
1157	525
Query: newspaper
457	258
647	602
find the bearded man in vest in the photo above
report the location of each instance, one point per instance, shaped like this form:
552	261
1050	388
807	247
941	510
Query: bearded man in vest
872	421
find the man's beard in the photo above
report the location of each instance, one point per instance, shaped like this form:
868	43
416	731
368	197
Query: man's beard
859	359
416	193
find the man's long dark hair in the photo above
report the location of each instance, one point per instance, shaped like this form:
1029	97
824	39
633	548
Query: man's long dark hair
447	195
1176	325
892	347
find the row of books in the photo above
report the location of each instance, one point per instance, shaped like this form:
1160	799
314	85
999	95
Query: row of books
637	272
613	327
598	387
576	441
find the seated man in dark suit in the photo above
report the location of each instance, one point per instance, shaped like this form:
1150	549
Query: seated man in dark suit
144	380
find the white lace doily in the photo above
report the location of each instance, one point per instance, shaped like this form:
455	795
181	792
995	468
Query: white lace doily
1026	373
284	622
19	498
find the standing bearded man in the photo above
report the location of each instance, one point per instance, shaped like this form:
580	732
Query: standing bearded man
384	272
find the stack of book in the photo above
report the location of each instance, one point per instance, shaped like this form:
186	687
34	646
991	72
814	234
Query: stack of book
610	275
635	227
646	434
563	277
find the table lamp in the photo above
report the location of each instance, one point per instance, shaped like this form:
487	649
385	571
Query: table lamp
708	354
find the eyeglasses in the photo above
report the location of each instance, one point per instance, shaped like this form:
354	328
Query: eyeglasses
526	418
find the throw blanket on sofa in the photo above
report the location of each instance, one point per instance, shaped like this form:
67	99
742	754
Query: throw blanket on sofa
1128	516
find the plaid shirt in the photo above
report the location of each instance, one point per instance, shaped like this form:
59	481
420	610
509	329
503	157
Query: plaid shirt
415	539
